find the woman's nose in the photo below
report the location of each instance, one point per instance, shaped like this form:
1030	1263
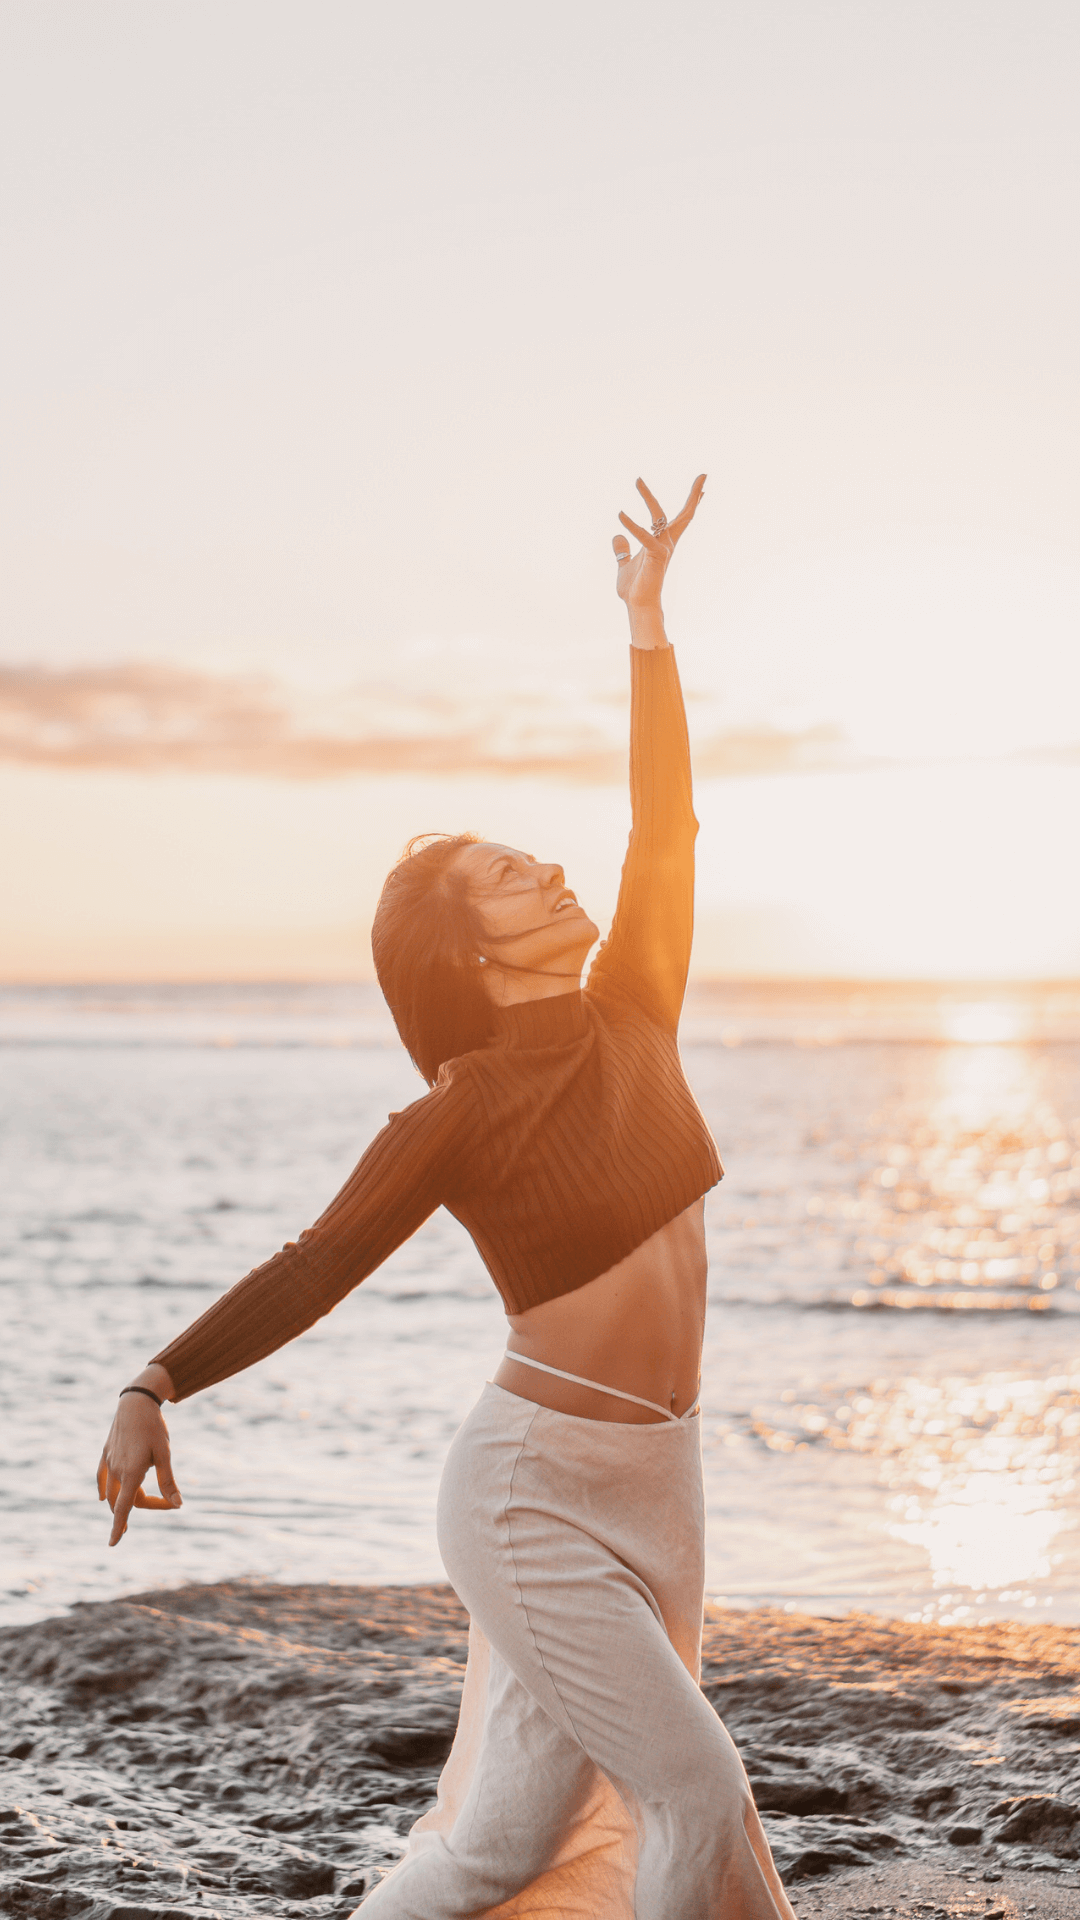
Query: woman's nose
553	875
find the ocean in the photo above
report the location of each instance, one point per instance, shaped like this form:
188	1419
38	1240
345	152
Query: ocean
891	1383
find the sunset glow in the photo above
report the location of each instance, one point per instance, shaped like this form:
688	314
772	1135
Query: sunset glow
306	540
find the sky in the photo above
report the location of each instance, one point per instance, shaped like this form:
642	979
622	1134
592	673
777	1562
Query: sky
333	340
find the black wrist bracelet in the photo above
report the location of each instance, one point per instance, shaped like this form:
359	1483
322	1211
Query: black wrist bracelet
146	1390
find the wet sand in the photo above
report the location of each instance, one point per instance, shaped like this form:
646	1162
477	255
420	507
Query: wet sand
242	1749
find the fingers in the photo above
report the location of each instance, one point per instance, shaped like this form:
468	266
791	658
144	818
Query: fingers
119	1481
113	1484
125	1500
661	543
122	1496
130	1495
685	514
166	1484
648	540
650	500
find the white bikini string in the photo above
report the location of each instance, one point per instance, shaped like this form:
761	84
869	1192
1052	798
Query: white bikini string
616	1393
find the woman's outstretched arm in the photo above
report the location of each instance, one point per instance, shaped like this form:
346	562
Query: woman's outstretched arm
400	1180
647	954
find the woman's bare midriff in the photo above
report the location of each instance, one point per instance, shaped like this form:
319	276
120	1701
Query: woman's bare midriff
639	1327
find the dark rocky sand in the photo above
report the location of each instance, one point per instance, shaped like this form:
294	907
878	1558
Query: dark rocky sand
244	1750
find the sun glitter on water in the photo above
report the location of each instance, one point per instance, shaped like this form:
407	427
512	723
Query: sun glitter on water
994	1538
975	1206
987	1466
983	1023
987	1469
968	1202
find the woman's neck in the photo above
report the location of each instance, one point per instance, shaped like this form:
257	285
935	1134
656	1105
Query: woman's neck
511	989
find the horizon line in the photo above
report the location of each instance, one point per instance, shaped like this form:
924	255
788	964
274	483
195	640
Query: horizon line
852	982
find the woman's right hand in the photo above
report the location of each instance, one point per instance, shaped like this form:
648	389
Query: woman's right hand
138	1440
641	574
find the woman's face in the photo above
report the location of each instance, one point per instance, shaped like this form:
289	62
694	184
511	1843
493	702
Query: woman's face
531	914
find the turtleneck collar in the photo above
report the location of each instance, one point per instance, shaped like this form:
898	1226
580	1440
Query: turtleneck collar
542	1023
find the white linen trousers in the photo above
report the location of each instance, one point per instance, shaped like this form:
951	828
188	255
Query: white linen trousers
589	1778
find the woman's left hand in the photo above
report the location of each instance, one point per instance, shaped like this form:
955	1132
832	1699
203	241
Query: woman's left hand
138	1440
641	574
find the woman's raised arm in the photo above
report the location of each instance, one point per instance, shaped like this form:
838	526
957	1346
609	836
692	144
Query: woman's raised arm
647	954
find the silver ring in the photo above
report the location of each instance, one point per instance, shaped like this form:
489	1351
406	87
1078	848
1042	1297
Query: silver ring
659	525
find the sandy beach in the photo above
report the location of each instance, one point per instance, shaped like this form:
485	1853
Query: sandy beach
241	1749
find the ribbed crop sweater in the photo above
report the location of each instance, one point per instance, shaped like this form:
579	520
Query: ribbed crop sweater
564	1143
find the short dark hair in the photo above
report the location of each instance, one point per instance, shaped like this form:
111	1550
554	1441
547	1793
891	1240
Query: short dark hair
426	941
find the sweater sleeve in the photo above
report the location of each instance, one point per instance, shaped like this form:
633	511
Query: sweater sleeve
647	953
398	1183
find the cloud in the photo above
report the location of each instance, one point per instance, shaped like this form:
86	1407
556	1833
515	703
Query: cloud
1060	753
142	717
772	750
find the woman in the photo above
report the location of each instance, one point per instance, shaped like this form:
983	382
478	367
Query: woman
589	1775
